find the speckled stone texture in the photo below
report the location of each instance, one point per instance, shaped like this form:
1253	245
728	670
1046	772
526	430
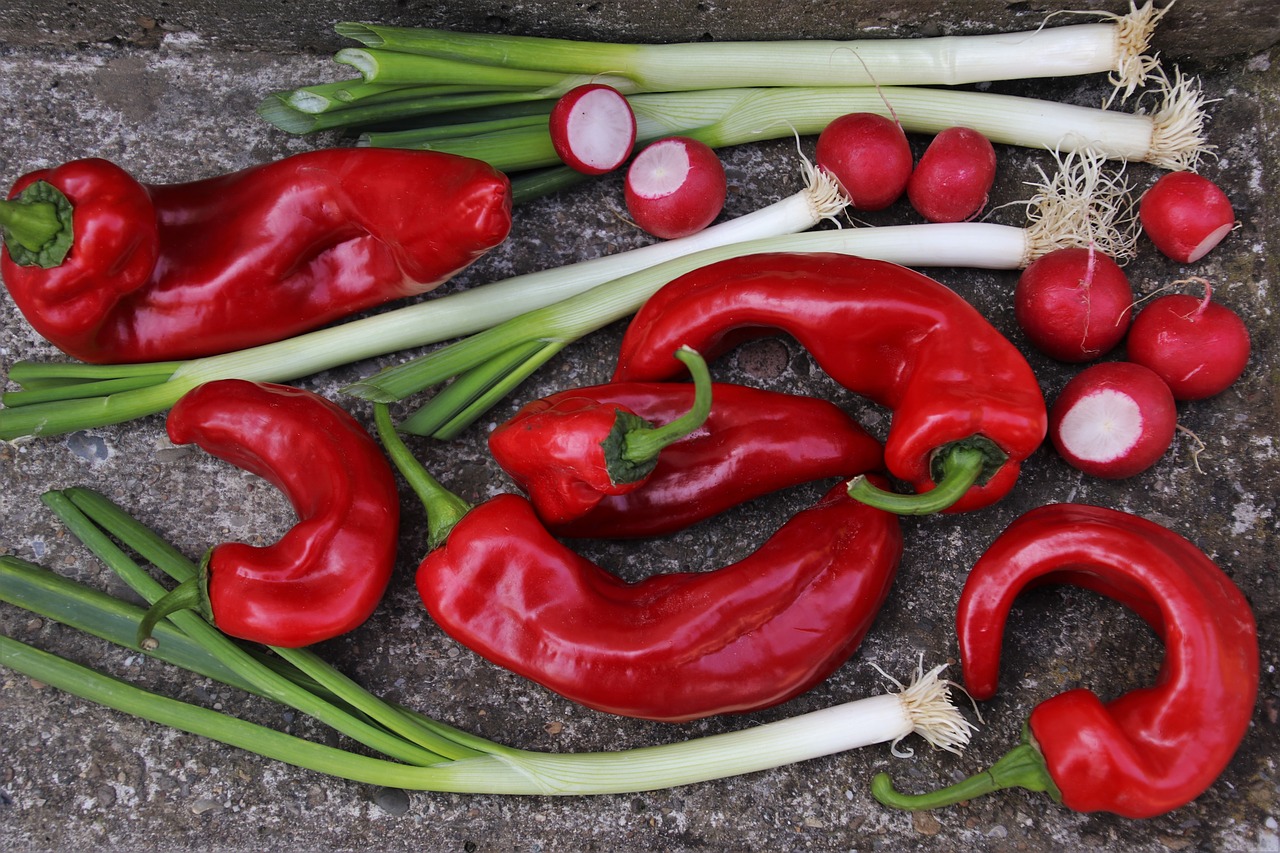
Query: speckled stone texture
170	92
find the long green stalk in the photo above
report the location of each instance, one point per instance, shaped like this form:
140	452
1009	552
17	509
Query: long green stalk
1117	46
923	708
1170	136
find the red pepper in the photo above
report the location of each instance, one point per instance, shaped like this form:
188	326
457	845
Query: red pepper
752	442
672	647
112	270
966	405
326	575
1146	752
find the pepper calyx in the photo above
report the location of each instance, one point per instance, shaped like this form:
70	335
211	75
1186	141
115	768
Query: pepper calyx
956	467
192	594
37	226
632	446
1021	767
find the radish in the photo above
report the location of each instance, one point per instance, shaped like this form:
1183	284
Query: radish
675	187
1185	215
1198	346
869	156
1073	304
954	176
1113	420
593	128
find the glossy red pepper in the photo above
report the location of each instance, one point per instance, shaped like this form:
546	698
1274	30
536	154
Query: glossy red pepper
1148	751
753	442
966	405
327	574
173	271
671	647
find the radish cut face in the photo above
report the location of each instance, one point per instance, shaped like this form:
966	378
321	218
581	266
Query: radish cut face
1185	215
675	187
1113	420
593	128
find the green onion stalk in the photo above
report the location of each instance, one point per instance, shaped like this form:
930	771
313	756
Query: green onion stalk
515	69
451	760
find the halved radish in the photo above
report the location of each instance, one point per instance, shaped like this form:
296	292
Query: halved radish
1113	420
1185	215
675	187
1073	304
869	156
954	176
593	128
1199	347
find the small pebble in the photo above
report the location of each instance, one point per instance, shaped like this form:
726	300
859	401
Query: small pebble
393	801
205	805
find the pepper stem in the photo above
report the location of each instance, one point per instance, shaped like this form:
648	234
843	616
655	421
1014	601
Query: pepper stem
1021	767
957	467
641	445
188	595
37	226
444	508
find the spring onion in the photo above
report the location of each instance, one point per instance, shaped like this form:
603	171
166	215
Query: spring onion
58	398
466	763
1117	46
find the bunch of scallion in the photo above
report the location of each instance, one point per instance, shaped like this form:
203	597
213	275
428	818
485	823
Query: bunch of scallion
489	96
414	752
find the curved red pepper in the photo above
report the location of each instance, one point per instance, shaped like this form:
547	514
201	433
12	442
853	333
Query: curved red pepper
672	647
955	384
1146	752
175	271
752	443
326	575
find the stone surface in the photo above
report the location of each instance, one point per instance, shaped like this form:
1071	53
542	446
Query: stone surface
169	93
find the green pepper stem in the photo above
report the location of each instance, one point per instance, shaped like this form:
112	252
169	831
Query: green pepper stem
444	508
1021	767
30	224
962	465
188	595
645	443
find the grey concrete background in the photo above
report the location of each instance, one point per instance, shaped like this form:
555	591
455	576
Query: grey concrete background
168	91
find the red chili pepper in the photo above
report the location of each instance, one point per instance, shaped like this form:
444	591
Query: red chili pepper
112	270
752	442
966	405
672	647
1146	752
326	575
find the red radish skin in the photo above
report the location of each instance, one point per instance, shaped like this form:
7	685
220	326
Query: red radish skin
1199	347
593	128
953	179
1185	215
1074	304
675	187
1113	420
869	156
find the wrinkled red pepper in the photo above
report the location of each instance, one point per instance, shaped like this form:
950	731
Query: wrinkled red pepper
753	442
327	574
672	647
110	270
1146	752
966	405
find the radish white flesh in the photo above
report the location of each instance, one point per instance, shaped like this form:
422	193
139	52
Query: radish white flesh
1185	215
1074	304
954	176
869	156
1113	420
593	129
1197	346
675	187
